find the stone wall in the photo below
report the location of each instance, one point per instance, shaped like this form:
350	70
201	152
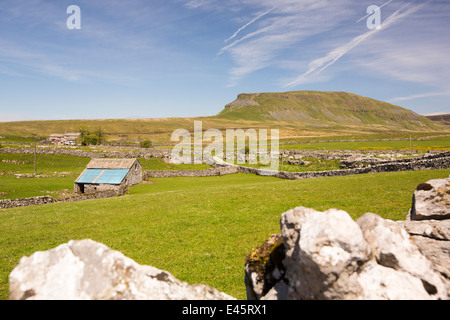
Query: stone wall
437	161
360	162
329	256
95	195
412	165
192	173
88	270
13	203
147	154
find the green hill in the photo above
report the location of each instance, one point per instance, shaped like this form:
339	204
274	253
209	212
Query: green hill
325	109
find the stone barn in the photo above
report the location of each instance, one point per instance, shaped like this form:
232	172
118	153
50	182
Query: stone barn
109	174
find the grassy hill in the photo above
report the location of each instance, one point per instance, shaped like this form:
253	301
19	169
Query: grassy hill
299	114
325	109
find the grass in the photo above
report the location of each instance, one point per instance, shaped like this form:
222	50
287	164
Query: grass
56	173
198	229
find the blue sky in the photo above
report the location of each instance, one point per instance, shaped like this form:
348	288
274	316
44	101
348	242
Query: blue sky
168	58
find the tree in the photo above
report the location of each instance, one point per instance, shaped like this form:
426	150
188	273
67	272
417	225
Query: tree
91	138
146	144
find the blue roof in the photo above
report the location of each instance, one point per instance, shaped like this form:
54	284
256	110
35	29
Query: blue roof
105	176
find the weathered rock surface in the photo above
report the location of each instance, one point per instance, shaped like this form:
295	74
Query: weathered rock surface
330	256
431	200
87	270
264	267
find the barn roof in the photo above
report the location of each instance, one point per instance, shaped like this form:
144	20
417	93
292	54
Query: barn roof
103	176
111	163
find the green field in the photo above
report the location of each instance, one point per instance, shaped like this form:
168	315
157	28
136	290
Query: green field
199	229
56	174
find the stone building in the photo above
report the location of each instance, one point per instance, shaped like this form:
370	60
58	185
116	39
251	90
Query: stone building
109	174
64	139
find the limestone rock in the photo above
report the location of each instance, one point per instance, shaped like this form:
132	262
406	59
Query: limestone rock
392	247
323	250
328	255
87	270
383	283
431	200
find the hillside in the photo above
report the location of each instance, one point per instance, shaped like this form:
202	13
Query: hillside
325	109
301	114
442	119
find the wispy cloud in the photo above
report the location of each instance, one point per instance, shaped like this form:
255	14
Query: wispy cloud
249	23
291	23
319	65
420	96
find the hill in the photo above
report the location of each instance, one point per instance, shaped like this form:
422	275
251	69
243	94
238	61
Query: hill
325	109
299	114
442	119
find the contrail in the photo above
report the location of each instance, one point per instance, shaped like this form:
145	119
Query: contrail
246	25
372	12
320	64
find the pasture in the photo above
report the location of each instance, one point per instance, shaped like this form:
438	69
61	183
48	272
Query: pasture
198	229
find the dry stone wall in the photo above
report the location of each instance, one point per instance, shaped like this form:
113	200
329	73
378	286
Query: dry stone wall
147	154
431	162
12	203
88	270
192	173
34	201
329	256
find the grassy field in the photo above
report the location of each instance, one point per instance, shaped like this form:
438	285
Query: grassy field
199	229
56	174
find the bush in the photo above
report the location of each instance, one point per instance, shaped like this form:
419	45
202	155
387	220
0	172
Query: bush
146	144
95	138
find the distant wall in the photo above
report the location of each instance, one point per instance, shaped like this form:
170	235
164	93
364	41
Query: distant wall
78	153
192	173
412	165
366	162
436	161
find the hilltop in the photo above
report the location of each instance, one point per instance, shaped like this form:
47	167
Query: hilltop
297	114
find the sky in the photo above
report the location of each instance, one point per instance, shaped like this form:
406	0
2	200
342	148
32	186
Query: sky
188	58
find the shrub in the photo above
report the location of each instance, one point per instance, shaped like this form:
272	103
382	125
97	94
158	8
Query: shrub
87	137
146	144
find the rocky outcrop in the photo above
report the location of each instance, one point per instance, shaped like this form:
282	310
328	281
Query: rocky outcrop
87	270
328	255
